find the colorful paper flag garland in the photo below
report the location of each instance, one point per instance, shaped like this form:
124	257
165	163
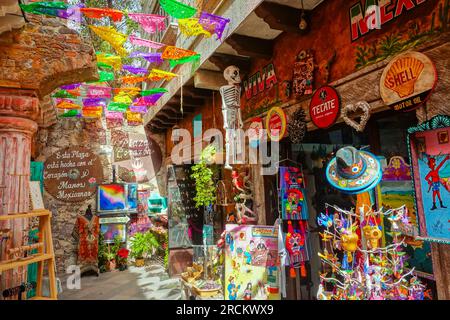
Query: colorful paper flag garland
151	23
177	9
113	37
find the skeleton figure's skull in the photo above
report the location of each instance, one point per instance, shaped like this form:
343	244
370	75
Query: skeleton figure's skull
232	75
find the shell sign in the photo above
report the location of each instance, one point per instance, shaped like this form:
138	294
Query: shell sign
407	81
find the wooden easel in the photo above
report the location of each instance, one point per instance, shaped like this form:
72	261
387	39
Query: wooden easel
45	253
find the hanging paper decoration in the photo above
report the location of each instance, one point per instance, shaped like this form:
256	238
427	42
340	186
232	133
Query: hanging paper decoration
158	75
124	98
71	86
98	13
192	28
145	43
92	112
139	109
149	56
118	107
134	70
148	100
75	92
113	37
94	102
98	92
110	60
63	94
134	119
153	91
103	65
174	63
105	76
49	8
130	91
214	24
177	9
114	115
69	114
175	53
67	104
151	23
132	79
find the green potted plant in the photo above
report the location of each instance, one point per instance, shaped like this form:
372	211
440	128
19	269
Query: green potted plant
142	246
203	176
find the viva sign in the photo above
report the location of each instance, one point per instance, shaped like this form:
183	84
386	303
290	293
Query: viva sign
377	13
260	81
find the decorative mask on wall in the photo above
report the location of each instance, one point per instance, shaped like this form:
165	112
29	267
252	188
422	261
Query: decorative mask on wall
304	74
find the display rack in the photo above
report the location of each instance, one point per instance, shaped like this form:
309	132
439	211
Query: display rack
45	253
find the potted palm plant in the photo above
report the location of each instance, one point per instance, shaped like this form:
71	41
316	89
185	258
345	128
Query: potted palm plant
143	245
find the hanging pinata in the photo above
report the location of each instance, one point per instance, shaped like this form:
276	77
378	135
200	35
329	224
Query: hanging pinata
113	37
151	23
177	9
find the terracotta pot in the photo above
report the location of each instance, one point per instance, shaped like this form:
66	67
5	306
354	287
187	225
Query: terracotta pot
139	263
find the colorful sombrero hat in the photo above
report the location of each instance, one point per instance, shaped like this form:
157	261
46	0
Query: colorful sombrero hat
354	171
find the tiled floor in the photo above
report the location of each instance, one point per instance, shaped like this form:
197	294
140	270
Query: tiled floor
148	283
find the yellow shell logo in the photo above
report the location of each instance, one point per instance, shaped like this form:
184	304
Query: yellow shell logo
403	75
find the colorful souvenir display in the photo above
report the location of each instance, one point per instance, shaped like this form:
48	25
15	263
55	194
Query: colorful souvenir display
251	263
292	188
366	271
296	248
353	171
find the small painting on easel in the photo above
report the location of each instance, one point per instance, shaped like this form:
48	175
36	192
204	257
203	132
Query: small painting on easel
36	203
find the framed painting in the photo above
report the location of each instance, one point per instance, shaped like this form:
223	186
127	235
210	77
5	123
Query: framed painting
431	177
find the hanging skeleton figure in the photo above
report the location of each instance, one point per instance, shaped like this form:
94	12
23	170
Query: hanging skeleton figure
231	109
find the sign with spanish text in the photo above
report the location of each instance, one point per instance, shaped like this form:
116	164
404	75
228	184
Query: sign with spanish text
276	123
408	81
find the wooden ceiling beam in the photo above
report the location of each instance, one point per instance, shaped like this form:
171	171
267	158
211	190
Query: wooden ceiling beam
251	47
280	17
222	61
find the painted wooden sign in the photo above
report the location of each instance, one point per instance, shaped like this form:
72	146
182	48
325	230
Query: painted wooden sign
72	174
260	81
324	107
276	124
407	81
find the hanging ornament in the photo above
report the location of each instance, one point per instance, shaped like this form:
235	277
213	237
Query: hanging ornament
132	79
192	28
151	23
297	126
175	53
110	60
149	56
113	37
177	9
213	23
98	13
158	75
134	70
145	43
153	91
195	58
49	8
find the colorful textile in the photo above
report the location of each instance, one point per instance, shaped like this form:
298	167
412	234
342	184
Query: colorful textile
158	75
134	70
113	37
118	107
149	56
87	233
192	28
151	23
175	53
214	24
110	60
132	79
177	9
98	13
153	91
174	63
145	43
